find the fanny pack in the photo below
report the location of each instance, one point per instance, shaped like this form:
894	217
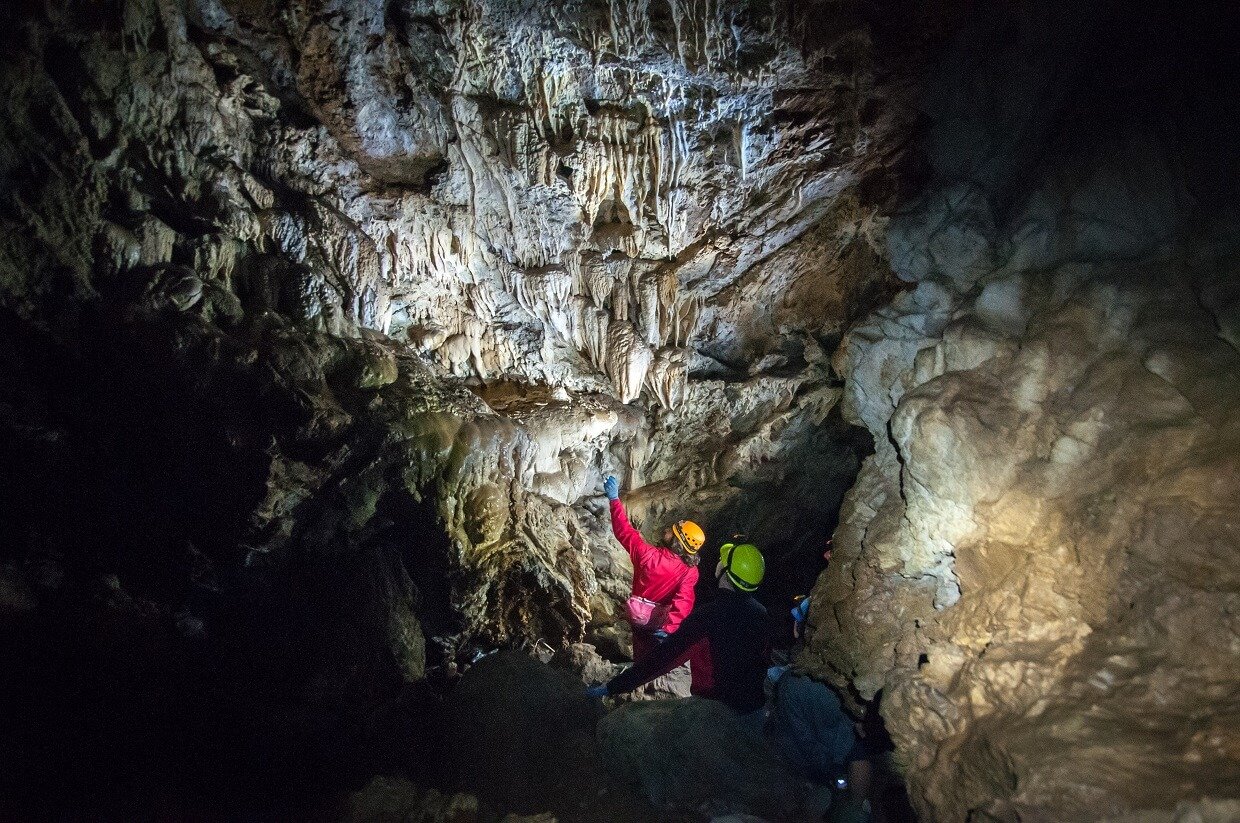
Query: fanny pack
647	614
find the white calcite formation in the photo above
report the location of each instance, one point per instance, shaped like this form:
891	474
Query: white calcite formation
1040	559
623	229
1037	567
532	193
324	320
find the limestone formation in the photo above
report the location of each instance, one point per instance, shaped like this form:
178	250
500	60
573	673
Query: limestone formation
478	181
321	323
1036	567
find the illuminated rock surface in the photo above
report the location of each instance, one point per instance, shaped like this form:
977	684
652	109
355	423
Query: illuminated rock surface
321	323
1037	568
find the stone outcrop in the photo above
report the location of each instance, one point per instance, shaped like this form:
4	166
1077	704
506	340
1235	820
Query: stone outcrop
523	735
1036	567
693	754
324	321
548	204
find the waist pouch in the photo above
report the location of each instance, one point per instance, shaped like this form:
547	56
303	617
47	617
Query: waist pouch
647	614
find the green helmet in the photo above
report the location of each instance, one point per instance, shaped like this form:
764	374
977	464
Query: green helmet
743	565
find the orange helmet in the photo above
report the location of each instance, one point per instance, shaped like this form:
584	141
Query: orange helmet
689	535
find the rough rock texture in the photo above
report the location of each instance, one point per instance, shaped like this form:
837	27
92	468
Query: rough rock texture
573	208
1037	566
323	321
693	754
585	662
523	735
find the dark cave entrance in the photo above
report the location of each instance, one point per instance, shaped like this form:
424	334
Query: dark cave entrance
791	511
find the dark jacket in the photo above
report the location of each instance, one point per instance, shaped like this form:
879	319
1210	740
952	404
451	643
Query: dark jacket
725	641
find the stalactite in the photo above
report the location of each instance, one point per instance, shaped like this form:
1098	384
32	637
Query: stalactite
650	310
635	457
476	331
688	312
597	282
627	361
119	247
454	354
667	378
482	302
590	333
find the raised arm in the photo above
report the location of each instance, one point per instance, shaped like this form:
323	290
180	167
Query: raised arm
682	602
628	536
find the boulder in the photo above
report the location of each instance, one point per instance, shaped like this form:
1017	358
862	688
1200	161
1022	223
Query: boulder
522	736
692	754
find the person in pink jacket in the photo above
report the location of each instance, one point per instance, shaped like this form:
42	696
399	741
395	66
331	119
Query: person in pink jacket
663	578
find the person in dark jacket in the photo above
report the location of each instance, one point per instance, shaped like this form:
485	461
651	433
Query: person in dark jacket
725	642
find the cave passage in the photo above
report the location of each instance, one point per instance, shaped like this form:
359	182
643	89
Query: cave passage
791	510
321	325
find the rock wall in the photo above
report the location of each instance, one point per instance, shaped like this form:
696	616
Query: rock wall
566	211
1036	569
324	320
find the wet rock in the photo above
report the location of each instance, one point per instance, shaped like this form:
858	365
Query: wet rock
377	367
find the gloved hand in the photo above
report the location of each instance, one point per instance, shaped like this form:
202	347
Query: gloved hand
659	635
801	610
611	487
597	691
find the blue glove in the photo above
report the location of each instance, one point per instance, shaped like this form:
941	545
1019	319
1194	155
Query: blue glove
659	636
597	691
611	488
801	610
775	672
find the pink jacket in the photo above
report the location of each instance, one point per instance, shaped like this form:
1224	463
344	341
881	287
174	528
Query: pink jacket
658	573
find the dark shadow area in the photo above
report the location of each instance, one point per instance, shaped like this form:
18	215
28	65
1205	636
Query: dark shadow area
790	511
157	660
